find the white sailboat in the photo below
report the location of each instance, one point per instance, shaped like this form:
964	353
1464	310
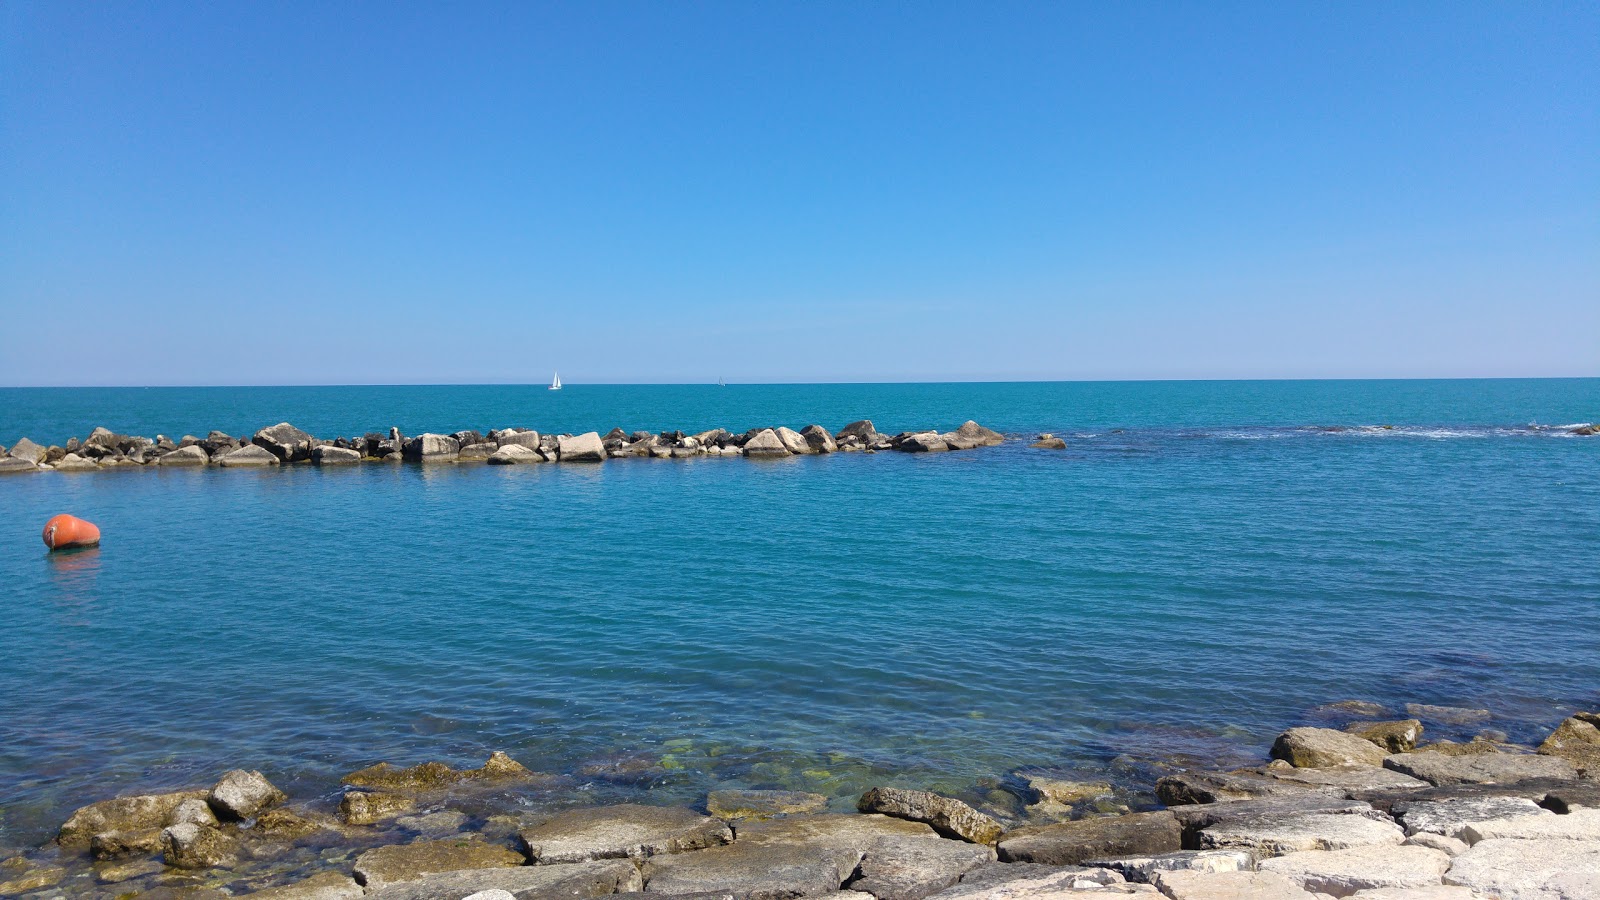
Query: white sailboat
555	383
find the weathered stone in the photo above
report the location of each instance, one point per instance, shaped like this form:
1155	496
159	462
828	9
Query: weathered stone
185	456
285	442
566	882
443	823
529	439
948	816
910	868
861	430
971	435
122	814
431	448
1005	881
322	886
11	464
124	870
328	455
430	776
1349	778
242	795
1144	868
753	871
1579	825
1437	768
1049	443
1394	737
1275	836
281	824
31	879
1213	787
819	439
765	443
495	894
1529	870
117	844
1321	748
626	830
585	447
856	832
248	455
1576	740
793	441
1064	790
1434	892
410	862
371	807
1448	845
1185	885
513	454
191	846
1304	803
923	442
1565	797
1072	843
198	812
762	804
72	462
1343	872
1474	747
1448	817
1447	715
479	451
25	449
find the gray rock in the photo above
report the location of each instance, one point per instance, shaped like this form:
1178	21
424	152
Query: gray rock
1213	787
25	449
1449	817
1194	818
1072	843
1447	715
1529	870
947	816
923	442
733	805
819	439
1448	845
1343	872
1348	778
250	455
281	824
1144	868
753	871
197	812
1579	825
117	844
285	442
793	441
431	448
585	447
122	814
1003	881
12	465
627	830
765	443
529	439
400	863
564	882
862	431
1393	737
910	868
1049	443
371	807
328	455
322	886
971	435
478	451
1321	748
1277	835
855	832
72	462
514	454
1184	885
244	795
191	846
1437	768
186	456
495	894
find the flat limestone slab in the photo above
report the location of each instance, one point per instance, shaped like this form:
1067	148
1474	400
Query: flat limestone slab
1437	892
409	862
1071	843
853	832
1529	870
1296	834
1350	778
1028	881
1448	817
1144	868
1229	886
1343	872
762	804
757	871
910	868
1578	825
627	830
324	886
1483	768
562	882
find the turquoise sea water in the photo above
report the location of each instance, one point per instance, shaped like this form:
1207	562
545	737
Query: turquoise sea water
1205	563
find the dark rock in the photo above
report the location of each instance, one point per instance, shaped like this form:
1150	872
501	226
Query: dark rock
1072	843
922	442
468	437
947	816
819	439
862	431
1394	737
286	442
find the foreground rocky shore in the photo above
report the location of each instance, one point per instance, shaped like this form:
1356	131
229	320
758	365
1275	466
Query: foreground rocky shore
284	444
1367	810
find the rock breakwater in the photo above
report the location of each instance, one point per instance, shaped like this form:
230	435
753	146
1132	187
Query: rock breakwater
284	444
1335	813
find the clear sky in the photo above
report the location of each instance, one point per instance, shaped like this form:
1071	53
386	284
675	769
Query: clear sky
274	193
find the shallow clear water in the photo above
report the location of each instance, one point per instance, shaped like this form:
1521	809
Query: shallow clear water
1202	565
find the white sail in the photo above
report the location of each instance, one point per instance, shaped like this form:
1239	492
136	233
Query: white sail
555	383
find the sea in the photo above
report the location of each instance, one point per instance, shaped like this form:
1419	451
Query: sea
1203	566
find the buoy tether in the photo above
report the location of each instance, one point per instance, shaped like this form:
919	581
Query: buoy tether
65	532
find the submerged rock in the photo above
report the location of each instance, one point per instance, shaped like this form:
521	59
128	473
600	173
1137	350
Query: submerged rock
947	816
628	830
732	805
434	775
396	863
371	807
1448	715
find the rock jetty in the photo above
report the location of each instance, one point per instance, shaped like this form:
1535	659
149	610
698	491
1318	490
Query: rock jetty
1336	812
284	444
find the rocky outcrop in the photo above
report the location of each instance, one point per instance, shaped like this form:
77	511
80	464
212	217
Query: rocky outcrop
1073	843
733	805
922	442
515	454
27	450
1318	748
1393	737
567	882
191	846
819	439
793	441
244	795
584	447
285	442
431	448
329	455
122	814
628	830
908	868
398	863
972	435
765	443
946	815
185	456
249	455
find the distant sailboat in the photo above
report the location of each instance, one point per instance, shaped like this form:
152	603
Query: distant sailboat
555	383
722	382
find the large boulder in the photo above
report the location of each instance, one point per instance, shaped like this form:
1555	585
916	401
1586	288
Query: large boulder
1450	816
626	830
902	868
1318	748
9	464
1579	825
515	454
1393	737
922	442
819	439
244	795
1484	768
185	456
72	462
765	443
586	447
284	441
27	450
529	439
1448	715
122	814
328	455
191	846
1073	843
431	448
793	441
1343	872
250	455
1529	870
409	862
733	805
862	430
568	882
948	816
971	435
1577	739
372	807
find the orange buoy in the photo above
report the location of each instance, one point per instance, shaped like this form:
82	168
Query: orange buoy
66	532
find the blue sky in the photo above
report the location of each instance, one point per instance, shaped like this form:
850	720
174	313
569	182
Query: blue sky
280	193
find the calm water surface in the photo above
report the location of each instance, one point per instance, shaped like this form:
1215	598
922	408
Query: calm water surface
1204	563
